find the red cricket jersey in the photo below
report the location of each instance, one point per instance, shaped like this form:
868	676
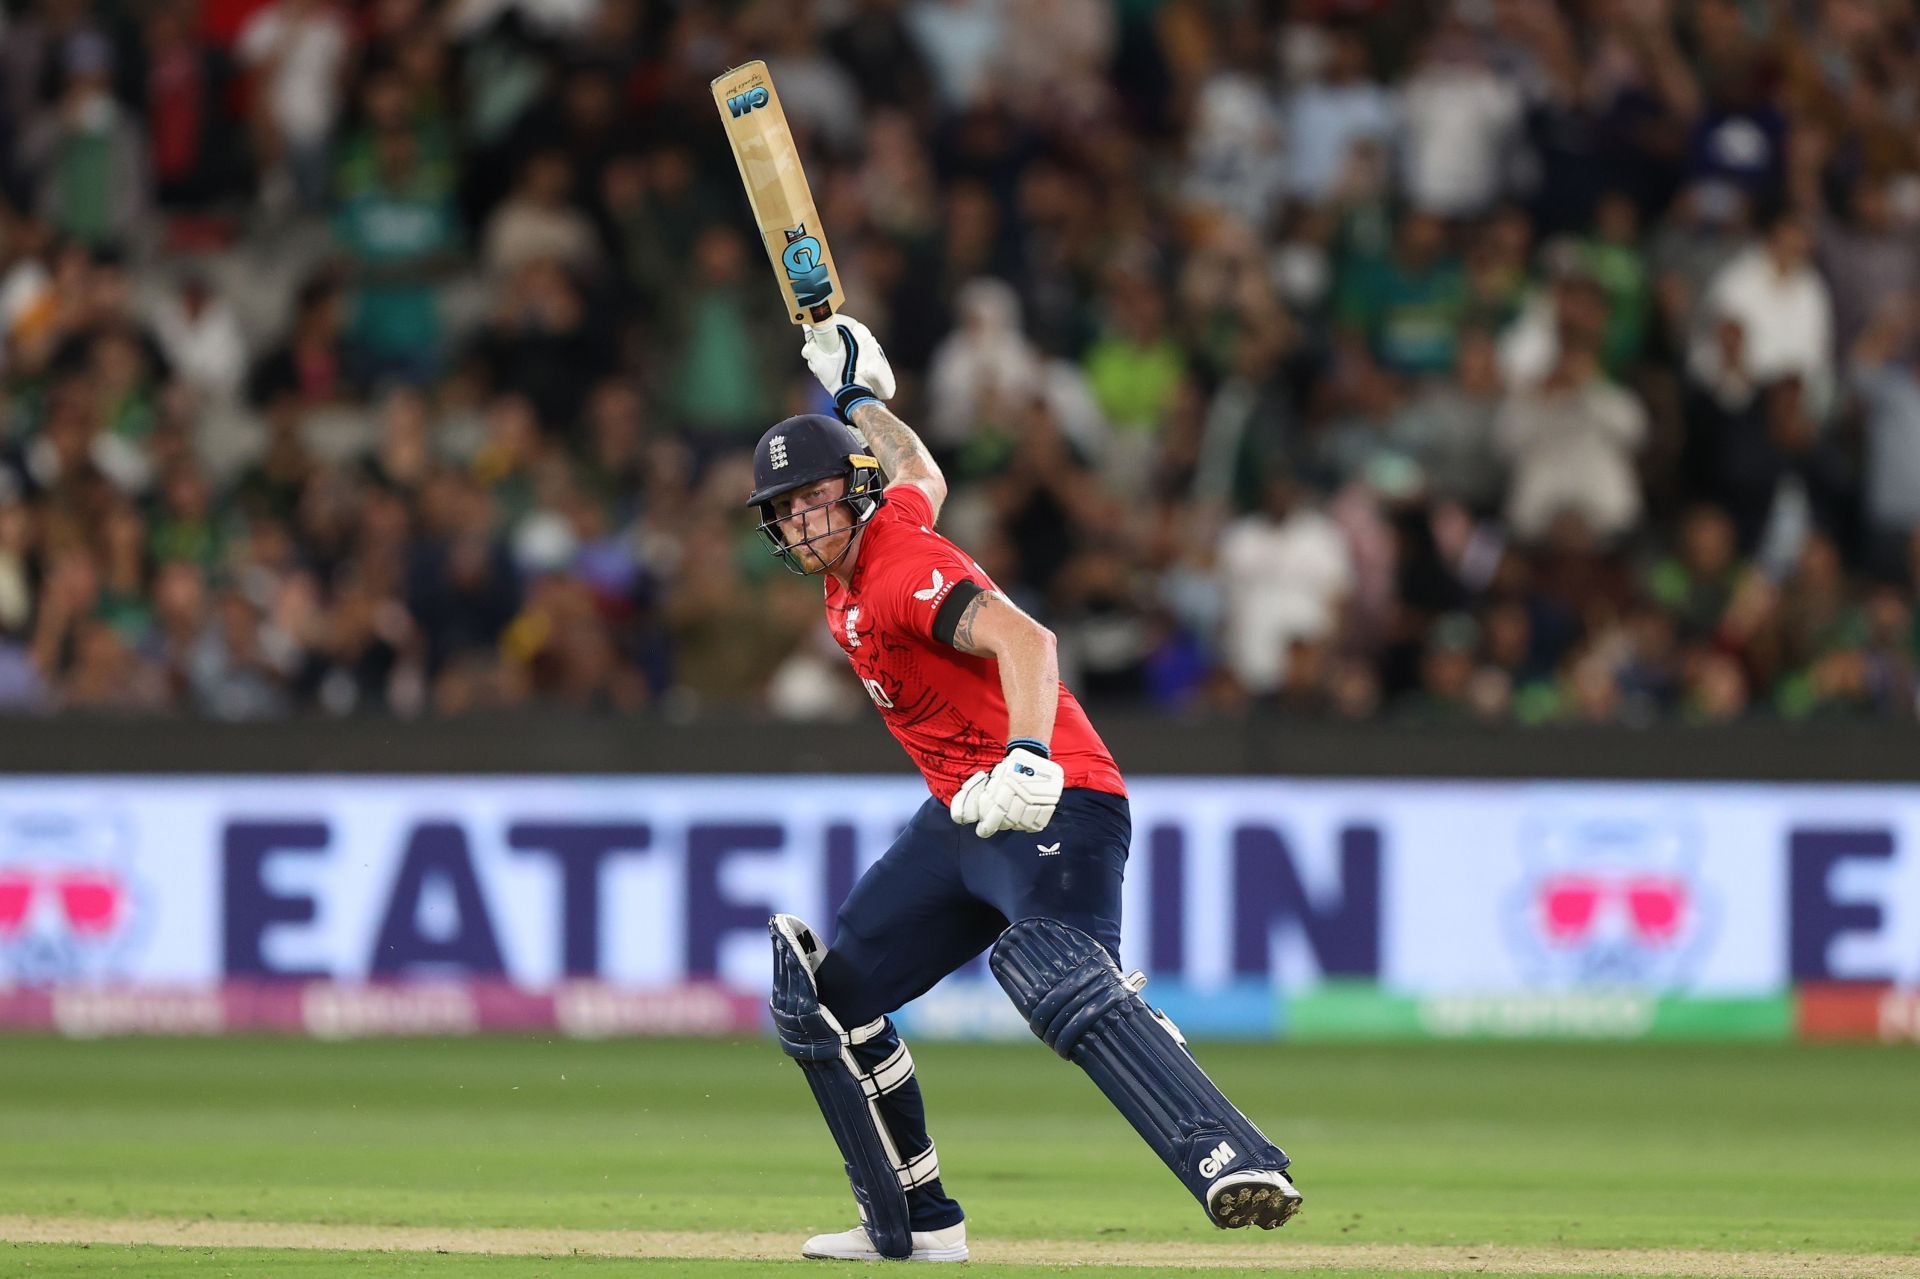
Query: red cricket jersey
945	706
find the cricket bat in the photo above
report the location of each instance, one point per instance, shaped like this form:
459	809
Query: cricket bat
777	189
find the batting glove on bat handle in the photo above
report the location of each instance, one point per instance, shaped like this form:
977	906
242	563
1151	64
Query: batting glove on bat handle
848	361
1020	793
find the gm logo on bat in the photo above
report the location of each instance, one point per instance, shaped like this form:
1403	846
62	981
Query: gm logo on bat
742	103
806	266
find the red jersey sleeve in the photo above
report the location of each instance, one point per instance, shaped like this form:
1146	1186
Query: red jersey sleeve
920	568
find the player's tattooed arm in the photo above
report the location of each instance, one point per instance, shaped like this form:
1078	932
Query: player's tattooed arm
963	629
900	452
994	626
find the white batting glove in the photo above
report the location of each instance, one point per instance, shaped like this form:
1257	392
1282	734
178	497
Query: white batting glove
847	359
1019	794
965	805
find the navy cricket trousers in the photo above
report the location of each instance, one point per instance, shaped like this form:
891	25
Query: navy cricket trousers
937	898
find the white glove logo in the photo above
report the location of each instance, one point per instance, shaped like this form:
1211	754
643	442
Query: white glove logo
933	590
1019	794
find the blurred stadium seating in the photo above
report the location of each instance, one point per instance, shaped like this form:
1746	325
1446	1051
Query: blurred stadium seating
1447	362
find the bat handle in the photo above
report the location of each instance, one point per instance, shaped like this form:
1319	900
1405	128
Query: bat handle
825	336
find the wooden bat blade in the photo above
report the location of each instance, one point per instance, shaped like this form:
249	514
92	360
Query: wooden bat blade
777	189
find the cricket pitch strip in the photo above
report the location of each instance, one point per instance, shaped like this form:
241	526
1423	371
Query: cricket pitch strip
1272	1253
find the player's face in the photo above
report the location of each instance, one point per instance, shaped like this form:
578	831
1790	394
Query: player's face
812	516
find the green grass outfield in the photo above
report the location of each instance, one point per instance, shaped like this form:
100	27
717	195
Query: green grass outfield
1509	1159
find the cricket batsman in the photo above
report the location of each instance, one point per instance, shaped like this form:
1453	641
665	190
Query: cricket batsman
1021	847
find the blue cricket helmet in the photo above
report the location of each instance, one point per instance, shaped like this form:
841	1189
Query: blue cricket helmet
804	450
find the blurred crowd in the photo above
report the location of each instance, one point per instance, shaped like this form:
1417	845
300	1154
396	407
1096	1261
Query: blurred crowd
1469	360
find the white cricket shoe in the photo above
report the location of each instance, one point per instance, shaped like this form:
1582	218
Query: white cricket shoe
1252	1197
853	1245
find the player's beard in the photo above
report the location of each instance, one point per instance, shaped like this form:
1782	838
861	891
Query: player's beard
829	550
825	550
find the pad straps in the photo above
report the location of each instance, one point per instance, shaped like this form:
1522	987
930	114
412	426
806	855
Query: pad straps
846	1094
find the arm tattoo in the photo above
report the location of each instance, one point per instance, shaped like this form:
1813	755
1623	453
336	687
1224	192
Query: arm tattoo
898	450
963	629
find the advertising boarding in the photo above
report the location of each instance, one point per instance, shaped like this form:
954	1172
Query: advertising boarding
1256	907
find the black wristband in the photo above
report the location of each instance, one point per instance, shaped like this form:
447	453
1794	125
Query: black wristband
1033	744
850	397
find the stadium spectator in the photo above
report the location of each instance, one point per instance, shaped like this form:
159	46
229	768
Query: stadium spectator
183	81
722	369
199	332
1405	308
1888	388
537	223
298	49
1869	257
1285	575
985	372
1339	106
86	155
1447	428
1458	116
399	235
1571	441
1781	305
